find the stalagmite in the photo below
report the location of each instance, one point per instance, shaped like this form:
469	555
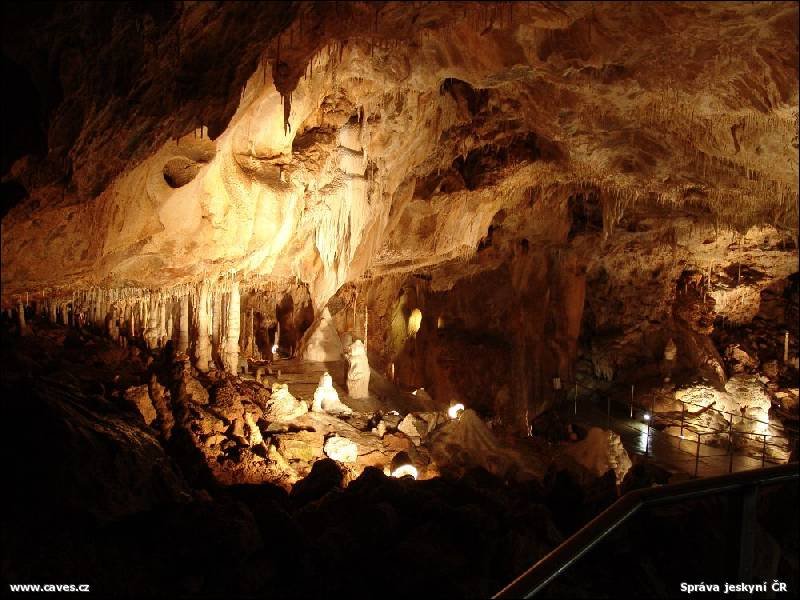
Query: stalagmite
216	332
231	350
326	399
203	346
250	346
786	347
53	312
183	324
162	322
358	371
151	332
23	326
170	324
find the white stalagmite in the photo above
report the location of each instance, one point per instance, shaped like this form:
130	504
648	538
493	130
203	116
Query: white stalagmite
326	399
231	354
358	371
183	324
203	346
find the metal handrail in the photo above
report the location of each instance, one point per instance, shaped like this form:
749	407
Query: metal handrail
573	548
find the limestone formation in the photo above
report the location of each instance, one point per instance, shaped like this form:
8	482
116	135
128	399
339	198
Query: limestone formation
202	347
600	451
231	346
322	343
341	449
326	399
358	371
282	406
139	398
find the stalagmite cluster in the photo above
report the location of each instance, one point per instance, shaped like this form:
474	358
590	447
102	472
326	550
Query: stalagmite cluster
202	320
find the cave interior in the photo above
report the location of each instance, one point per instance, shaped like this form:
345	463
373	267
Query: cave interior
304	299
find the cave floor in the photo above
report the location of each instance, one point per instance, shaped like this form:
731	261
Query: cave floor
303	377
667	451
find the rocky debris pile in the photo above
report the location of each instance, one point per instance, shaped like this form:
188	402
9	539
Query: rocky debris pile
466	442
438	530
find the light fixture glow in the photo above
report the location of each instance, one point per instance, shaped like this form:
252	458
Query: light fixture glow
455	410
274	348
404	470
646	417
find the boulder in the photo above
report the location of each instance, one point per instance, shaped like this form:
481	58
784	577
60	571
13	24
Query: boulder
739	360
341	449
326	475
139	397
303	446
192	391
254	436
227	403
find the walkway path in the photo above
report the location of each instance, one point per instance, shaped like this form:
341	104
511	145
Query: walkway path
668	451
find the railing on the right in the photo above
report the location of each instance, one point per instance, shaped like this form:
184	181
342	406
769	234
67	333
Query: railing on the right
736	496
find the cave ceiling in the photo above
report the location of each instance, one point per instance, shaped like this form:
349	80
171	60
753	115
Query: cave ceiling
152	146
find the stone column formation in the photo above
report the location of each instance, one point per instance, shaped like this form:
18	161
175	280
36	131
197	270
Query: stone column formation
231	347
205	322
203	344
23	326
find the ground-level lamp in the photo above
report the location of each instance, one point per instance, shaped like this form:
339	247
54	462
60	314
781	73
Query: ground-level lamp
402	466
454	411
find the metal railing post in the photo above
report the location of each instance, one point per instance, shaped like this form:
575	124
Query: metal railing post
730	444
575	412
683	414
631	401
764	451
697	454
